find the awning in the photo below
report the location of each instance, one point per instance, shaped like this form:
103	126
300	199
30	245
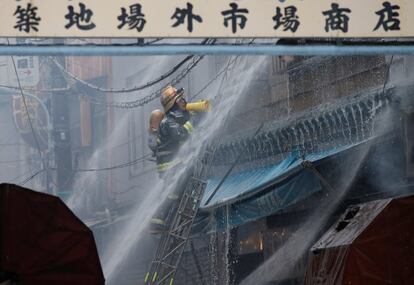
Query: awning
242	185
250	195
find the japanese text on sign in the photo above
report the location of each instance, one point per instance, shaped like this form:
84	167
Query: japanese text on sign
211	18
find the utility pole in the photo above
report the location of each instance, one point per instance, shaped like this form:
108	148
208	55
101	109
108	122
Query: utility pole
61	134
59	105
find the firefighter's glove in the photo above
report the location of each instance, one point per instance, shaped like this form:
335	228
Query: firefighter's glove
189	127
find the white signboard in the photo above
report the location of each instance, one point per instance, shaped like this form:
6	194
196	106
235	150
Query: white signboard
27	67
207	18
27	70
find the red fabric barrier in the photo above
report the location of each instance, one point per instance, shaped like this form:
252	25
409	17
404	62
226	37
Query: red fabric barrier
43	242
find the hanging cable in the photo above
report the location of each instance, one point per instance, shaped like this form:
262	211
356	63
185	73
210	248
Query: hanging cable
225	69
136	103
152	96
133	89
119	166
122	165
31	177
16	178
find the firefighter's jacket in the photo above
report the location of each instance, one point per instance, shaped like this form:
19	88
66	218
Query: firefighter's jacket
172	132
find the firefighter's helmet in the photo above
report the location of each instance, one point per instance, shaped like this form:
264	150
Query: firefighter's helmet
169	95
155	120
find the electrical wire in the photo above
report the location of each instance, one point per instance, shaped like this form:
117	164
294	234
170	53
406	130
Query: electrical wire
117	91
128	104
133	89
31	177
223	70
19	176
73	172
152	96
122	165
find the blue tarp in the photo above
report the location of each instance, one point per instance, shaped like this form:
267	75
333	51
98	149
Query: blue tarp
241	185
254	194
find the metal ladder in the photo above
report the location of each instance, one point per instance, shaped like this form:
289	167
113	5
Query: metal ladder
172	243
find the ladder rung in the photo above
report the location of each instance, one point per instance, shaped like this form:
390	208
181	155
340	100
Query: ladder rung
179	227
199	180
173	250
177	236
186	215
168	265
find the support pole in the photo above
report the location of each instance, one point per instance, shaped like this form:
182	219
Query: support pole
309	165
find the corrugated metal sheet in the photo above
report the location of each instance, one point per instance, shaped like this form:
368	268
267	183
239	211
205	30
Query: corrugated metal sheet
373	245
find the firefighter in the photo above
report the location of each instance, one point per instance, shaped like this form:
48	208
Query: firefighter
174	129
